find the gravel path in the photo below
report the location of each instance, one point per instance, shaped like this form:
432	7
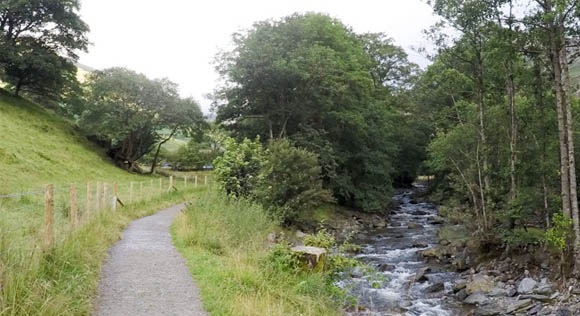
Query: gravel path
145	275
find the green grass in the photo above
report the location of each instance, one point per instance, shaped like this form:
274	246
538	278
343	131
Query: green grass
39	148
225	245
63	279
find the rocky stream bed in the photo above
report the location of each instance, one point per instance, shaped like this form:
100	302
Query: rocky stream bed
414	275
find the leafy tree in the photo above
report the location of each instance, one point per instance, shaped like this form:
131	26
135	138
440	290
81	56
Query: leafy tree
34	36
309	78
126	111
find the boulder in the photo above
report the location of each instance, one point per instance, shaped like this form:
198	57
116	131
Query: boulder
527	285
437	287
480	283
498	292
544	289
420	276
420	245
313	258
461	295
477	298
459	285
518	305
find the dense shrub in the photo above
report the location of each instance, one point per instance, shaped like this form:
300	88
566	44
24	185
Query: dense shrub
289	181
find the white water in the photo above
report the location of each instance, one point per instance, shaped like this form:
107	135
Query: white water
395	292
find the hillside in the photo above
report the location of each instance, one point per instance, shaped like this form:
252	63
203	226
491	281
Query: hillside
38	147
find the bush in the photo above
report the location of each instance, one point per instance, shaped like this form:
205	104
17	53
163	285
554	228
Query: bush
237	169
290	181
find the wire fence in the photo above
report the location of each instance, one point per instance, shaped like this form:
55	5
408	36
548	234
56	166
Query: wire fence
50	213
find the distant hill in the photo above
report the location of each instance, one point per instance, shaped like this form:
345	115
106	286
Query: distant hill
39	147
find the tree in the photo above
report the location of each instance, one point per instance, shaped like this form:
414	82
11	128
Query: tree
309	78
34	36
126	111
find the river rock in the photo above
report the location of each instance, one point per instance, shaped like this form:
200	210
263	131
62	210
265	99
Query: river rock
536	297
420	276
477	298
414	226
535	310
498	292
518	305
480	283
420	213
437	220
488	311
527	285
563	312
461	295
420	245
437	287
544	289
300	235
459	285
385	267
312	258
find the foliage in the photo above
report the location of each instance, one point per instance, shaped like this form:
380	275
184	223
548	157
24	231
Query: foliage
237	169
126	112
558	235
310	78
289	181
33	36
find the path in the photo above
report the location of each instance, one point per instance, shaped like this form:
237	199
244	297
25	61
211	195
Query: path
145	275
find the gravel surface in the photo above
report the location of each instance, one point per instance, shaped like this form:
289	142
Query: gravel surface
145	275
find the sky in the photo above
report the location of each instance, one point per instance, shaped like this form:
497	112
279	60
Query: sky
179	39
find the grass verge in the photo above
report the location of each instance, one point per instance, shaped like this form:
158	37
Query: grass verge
63	280
225	245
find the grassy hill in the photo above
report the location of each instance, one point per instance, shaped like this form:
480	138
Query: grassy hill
38	147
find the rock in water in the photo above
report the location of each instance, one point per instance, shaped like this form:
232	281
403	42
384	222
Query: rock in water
527	285
437	287
420	275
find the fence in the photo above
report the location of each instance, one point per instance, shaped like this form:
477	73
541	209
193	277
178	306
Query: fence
67	207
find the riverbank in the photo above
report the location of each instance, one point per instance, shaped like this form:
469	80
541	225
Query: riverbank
521	280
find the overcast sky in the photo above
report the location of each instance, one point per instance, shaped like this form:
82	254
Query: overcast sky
178	39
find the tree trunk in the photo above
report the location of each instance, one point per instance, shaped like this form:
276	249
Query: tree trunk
562	129
571	160
156	157
513	135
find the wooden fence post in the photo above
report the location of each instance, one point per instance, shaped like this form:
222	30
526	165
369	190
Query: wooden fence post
185	181
205	180
88	207
170	183
73	207
48	209
140	190
104	196
195	180
131	192
98	196
115	196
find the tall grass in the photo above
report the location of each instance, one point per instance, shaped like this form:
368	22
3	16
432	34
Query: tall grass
225	245
63	279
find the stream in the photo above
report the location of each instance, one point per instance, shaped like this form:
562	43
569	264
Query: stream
394	252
